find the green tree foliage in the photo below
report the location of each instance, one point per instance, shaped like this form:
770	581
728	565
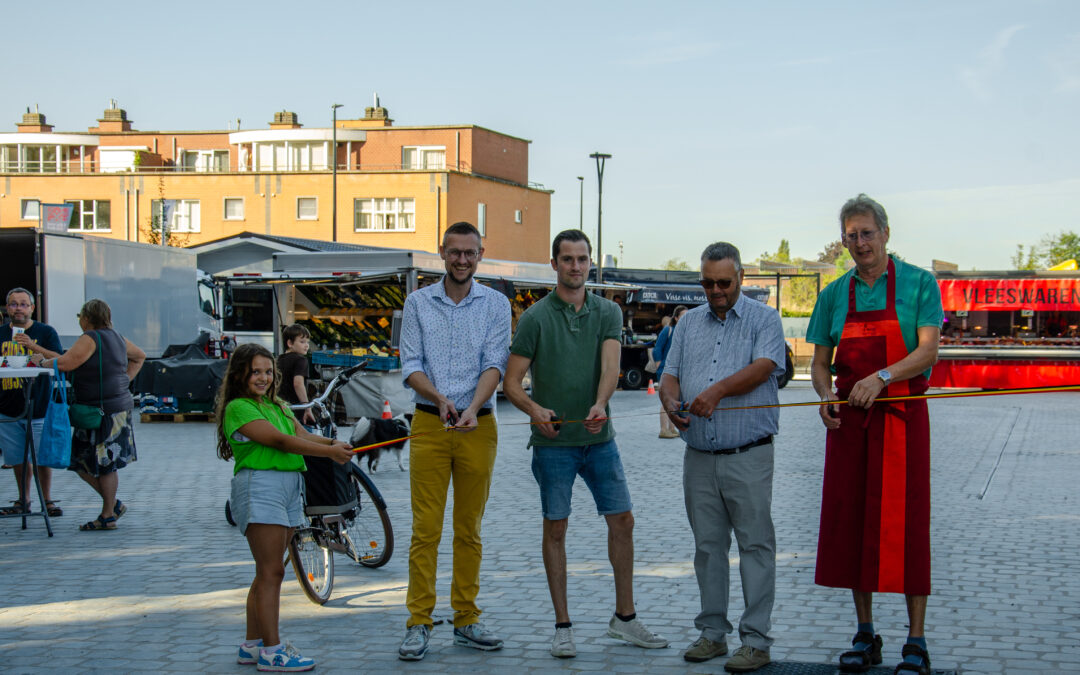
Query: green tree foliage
1020	261
1058	248
1051	250
832	251
783	254
676	264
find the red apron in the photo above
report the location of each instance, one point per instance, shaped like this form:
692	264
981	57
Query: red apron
875	506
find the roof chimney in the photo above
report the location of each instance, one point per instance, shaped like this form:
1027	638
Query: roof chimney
114	119
33	121
285	120
376	115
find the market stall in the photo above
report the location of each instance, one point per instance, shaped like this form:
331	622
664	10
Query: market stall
1009	329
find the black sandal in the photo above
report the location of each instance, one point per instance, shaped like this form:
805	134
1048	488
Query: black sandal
119	509
99	524
53	510
914	650
17	508
860	660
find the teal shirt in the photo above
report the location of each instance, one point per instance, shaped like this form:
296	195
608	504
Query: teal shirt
564	346
250	454
918	303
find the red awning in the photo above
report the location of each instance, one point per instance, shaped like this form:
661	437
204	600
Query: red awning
1060	295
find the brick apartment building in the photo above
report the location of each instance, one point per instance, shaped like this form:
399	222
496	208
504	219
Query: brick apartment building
397	187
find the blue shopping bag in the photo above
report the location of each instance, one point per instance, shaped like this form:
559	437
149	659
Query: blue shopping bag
55	450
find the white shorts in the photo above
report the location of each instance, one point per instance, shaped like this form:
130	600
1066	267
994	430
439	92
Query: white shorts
267	497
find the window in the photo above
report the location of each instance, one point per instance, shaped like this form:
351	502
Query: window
89	215
204	161
39	158
481	219
384	214
9	158
307	208
181	215
30	209
291	156
518	216
234	208
423	157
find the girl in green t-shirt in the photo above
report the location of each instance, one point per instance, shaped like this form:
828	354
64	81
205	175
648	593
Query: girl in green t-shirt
259	431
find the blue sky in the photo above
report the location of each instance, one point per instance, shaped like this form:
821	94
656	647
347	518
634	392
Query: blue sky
741	121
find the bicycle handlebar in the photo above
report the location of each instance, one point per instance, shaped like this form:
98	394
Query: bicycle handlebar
337	383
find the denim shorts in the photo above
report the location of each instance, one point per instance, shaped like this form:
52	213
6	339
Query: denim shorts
267	497
13	438
556	467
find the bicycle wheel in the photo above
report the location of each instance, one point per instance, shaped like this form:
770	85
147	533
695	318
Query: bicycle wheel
313	564
371	538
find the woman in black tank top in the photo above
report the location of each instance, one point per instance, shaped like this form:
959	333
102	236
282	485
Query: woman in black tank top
102	363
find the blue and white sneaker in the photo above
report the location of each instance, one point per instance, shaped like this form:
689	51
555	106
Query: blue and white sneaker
415	644
283	659
249	653
476	636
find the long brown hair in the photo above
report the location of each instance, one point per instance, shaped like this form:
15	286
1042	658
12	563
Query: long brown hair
235	385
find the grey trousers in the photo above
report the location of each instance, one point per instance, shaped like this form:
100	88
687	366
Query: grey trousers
725	493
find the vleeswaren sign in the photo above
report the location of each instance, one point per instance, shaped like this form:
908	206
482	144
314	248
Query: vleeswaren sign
1061	295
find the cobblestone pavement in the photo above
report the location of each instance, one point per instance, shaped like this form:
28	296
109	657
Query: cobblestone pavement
166	590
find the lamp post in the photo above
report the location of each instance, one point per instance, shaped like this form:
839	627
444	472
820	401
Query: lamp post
333	164
581	203
600	158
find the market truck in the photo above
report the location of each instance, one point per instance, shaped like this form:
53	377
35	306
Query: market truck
156	294
1009	329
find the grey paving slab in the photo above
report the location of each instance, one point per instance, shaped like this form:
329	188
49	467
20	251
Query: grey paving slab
168	587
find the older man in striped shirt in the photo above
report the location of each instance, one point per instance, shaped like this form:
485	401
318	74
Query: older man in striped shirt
728	354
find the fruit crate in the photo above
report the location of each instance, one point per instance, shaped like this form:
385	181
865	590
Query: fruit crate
343	359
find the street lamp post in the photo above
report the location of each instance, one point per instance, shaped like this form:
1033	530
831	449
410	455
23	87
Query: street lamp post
581	203
600	158
333	164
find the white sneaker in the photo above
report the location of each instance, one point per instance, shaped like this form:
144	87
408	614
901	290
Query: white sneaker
562	646
415	644
635	632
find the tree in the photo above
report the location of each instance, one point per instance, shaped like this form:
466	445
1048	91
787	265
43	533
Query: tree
783	254
1060	247
1022	262
1051	250
832	251
676	264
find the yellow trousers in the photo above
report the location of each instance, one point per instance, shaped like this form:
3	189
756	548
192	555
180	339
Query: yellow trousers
467	458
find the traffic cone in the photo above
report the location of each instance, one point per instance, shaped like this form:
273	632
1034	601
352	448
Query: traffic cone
386	414
652	389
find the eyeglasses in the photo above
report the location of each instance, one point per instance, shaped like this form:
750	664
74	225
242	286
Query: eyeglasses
866	235
468	254
722	284
20	305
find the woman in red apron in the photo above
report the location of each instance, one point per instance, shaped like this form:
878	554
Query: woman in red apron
875	511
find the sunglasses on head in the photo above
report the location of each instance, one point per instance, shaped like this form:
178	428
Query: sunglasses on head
722	284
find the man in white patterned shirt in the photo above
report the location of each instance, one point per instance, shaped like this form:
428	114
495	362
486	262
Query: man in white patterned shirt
731	351
455	338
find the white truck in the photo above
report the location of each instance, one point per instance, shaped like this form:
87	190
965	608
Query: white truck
157	295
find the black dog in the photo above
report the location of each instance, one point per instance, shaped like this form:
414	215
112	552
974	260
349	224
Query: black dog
367	432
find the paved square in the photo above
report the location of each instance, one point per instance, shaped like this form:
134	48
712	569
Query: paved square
166	590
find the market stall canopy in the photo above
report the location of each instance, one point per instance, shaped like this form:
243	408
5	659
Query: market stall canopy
1011	292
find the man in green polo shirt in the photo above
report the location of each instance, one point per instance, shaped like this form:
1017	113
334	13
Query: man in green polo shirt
875	333
570	340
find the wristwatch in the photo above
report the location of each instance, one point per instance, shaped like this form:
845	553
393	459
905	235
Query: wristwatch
885	376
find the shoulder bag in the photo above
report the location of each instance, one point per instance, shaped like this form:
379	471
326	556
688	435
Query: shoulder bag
85	416
55	450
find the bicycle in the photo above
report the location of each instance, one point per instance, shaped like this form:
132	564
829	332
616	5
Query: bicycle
346	513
